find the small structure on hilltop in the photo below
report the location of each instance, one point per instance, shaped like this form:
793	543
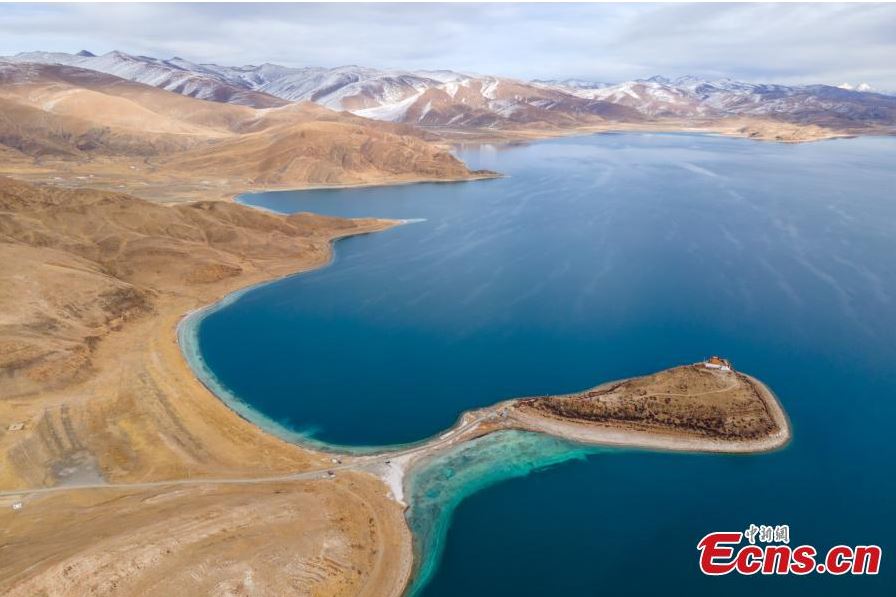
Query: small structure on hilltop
716	362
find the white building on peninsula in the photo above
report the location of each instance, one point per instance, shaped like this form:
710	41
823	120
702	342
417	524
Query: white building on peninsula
716	362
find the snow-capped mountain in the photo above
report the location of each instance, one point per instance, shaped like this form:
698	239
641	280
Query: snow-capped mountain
433	98
859	87
444	98
176	74
692	97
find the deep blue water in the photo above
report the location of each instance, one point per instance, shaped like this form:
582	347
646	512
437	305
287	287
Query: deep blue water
599	258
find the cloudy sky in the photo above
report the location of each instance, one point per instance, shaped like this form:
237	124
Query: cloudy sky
789	43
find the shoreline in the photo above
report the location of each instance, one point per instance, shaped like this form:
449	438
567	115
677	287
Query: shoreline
186	338
475	176
471	424
299	457
176	190
527	136
185	190
719	129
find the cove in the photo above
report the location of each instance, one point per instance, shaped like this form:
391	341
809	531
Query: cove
597	258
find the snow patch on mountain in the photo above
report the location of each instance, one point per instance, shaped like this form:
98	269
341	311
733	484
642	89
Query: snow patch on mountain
176	75
490	89
861	87
391	112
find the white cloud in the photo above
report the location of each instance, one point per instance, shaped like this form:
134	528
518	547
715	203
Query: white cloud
791	43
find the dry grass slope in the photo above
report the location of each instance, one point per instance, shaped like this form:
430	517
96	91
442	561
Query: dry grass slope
79	263
93	387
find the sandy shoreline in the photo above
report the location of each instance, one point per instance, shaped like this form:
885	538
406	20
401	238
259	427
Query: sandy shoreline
633	438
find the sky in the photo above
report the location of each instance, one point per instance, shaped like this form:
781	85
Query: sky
778	43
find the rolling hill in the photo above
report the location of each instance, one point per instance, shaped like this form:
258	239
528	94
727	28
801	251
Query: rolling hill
91	126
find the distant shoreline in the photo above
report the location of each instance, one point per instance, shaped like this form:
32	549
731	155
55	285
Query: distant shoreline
765	131
476	175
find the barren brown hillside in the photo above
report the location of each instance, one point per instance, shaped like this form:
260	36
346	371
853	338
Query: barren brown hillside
84	128
79	263
93	388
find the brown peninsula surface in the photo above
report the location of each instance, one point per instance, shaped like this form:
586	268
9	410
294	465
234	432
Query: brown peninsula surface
688	407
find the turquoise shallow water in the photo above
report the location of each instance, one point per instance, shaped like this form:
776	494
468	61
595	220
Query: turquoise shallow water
598	258
438	487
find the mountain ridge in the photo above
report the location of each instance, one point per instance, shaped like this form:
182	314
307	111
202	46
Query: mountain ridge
452	99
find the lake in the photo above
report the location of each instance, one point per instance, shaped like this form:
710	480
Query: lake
597	258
